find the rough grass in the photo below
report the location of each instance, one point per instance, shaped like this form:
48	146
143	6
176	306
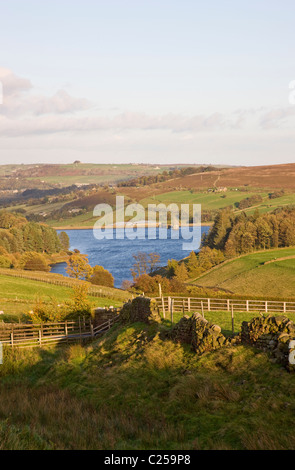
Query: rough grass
135	389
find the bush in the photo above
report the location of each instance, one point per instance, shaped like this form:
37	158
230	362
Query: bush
32	261
101	277
45	312
5	262
80	305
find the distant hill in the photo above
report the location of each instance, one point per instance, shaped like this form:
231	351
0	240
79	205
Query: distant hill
268	177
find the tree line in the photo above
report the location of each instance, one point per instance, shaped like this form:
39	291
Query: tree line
238	234
26	244
165	175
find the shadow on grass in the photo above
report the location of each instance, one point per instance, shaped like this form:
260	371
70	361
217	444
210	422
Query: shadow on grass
135	389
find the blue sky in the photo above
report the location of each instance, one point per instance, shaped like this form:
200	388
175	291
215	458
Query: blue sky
147	81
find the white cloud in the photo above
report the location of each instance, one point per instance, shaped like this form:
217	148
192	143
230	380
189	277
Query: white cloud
25	113
19	99
277	117
13	84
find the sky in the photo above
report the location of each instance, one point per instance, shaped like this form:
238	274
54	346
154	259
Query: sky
147	81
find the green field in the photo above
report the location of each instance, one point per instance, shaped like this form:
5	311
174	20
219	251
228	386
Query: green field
215	201
249	276
18	295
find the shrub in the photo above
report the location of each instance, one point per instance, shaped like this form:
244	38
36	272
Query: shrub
101	277
79	306
32	261
5	262
45	312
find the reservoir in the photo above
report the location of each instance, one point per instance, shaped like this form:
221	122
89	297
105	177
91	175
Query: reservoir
116	255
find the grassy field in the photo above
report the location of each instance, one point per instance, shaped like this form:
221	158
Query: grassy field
216	201
18	295
209	201
134	389
268	274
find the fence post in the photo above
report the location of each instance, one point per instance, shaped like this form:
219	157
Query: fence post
66	328
232	319
228	306
171	304
208	305
40	338
91	330
266	306
163	307
202	308
80	327
189	304
183	307
11	338
247	305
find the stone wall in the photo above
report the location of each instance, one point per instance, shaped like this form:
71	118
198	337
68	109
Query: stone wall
102	315
140	309
201	334
272	334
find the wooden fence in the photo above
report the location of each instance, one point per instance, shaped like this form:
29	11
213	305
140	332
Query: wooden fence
190	304
32	335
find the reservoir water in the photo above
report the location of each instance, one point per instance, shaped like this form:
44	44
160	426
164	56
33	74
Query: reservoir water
115	255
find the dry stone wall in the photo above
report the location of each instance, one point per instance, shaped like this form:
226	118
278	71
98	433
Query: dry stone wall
140	309
272	334
201	334
102	315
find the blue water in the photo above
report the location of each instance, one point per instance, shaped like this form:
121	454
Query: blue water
115	255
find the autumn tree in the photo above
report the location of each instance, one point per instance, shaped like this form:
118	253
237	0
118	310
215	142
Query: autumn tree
153	260
144	263
64	240
181	273
32	261
78	267
171	266
80	305
101	277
